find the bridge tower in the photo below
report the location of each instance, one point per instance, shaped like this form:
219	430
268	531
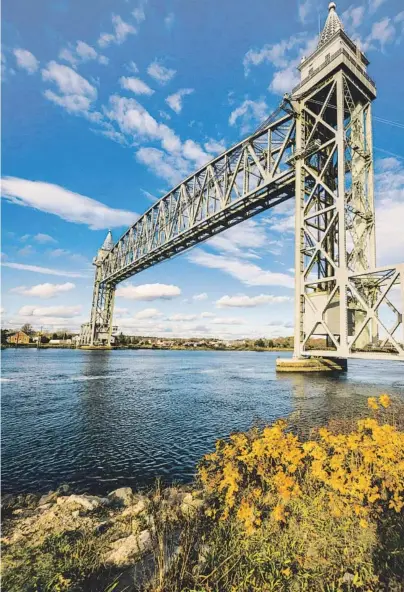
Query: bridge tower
334	217
99	330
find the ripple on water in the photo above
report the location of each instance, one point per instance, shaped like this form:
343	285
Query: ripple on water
99	420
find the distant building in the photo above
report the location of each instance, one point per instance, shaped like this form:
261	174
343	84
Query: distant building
19	337
40	338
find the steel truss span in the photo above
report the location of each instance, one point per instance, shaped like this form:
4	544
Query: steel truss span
250	177
254	175
318	148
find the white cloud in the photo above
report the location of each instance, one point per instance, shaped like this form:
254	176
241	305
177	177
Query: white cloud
227	321
46	290
3	66
382	32
182	317
305	8
193	151
148	313
169	20
149	195
110	132
135	85
26	251
85	51
50	311
82	52
26	60
175	100
44	238
284	80
68	81
285	57
67	55
76	94
164	115
44	270
243	301
58	253
353	17
121	31
249	113
169	167
132	67
399	18
72	103
275	54
139	14
160	72
199	297
246	272
66	204
134	120
207	315
375	4
389	182
148	292
282	224
105	39
215	146
239	239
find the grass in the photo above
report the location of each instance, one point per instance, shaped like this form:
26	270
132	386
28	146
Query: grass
60	562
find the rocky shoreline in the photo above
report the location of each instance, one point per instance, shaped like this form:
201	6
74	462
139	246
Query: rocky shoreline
124	524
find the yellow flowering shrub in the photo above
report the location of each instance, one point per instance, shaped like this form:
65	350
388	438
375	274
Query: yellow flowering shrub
257	475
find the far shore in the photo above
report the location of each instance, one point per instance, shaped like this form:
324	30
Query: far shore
148	347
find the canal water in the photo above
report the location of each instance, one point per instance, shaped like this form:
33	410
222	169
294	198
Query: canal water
103	419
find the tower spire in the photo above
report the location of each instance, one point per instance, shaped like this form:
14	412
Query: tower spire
332	25
108	242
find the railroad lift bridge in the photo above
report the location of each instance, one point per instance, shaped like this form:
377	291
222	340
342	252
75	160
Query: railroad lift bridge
317	149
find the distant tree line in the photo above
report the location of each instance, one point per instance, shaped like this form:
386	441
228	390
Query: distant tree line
45	336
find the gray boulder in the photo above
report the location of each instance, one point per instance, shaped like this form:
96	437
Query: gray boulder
122	496
123	551
85	502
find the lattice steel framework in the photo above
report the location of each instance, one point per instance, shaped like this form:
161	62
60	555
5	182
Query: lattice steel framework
318	147
343	304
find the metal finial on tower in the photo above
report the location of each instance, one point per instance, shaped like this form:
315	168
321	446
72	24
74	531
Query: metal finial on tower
332	25
108	242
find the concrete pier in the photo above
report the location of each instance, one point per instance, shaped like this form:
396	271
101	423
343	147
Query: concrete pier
311	365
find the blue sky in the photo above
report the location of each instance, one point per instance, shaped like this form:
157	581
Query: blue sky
106	105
